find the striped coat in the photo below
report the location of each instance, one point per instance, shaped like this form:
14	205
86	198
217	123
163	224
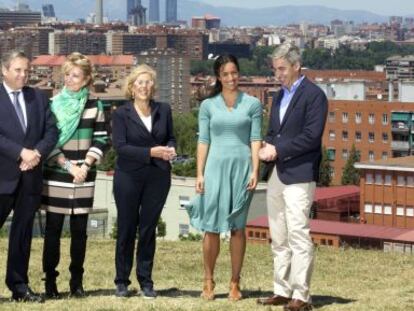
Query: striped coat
60	194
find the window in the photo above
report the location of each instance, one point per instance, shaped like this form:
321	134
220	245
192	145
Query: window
388	179
378	178
387	210
368	208
400	211
377	209
331	116
331	135
358	136
344	135
358	118
400	180
184	200
384	155
183	229
384	119
264	235
410	181
371	155
331	154
409	212
371	118
384	137
250	233
344	117
345	154
371	137
369	178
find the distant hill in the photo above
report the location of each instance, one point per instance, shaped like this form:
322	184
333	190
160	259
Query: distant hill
230	16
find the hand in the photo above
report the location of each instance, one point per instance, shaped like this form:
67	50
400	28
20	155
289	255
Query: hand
79	174
30	159
169	154
161	152
267	152
173	154
254	178
199	184
25	166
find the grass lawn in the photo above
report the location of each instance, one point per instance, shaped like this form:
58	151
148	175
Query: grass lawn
343	279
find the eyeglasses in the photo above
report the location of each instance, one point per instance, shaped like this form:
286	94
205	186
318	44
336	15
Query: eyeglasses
144	82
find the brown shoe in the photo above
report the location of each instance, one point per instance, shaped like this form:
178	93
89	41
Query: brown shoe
297	305
234	293
208	289
274	300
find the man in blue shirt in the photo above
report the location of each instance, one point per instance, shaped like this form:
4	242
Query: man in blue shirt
292	151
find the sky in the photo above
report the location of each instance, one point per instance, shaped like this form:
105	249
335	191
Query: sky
382	7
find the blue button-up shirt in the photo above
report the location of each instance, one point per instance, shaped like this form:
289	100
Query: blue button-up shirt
287	97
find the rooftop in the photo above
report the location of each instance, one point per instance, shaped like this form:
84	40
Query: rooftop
99	60
345	74
349	229
323	193
405	164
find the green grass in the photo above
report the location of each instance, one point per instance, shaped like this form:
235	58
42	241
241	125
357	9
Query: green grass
342	280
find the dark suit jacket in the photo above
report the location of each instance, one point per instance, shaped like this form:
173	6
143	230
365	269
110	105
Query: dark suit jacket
132	140
298	138
41	134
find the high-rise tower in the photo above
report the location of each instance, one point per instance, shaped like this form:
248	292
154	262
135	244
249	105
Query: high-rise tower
154	10
171	11
99	12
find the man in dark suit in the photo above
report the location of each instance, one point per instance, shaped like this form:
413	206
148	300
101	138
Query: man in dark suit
292	150
27	135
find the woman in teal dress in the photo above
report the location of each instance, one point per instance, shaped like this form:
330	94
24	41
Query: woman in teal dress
227	170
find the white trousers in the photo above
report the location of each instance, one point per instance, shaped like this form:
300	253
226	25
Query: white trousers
288	208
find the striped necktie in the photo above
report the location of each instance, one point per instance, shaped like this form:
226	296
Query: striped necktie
19	110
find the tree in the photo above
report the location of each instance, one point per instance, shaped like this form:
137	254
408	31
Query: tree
325	168
108	161
203	67
161	228
186	169
350	174
185	131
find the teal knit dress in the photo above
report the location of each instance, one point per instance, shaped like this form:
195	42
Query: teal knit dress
225	202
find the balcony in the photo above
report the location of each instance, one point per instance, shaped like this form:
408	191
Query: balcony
400	127
400	145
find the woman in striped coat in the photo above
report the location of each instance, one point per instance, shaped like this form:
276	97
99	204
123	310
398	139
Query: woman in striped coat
69	174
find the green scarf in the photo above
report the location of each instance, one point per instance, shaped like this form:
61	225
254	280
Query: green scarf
67	106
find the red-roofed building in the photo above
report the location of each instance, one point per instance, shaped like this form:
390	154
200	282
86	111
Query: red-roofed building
260	87
107	67
330	203
207	21
366	124
339	203
387	192
338	234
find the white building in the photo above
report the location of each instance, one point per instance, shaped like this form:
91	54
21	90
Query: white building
174	213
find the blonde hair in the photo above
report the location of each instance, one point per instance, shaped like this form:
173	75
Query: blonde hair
132	77
79	60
